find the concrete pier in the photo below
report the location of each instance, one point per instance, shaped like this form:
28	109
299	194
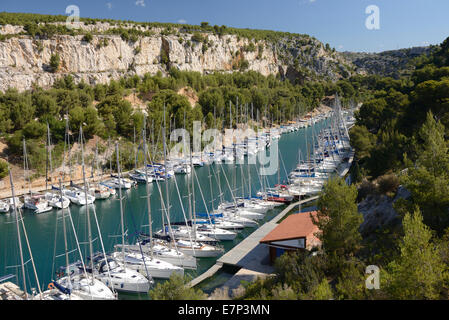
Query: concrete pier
249	254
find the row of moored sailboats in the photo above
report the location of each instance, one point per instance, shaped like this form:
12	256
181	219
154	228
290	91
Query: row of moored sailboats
177	245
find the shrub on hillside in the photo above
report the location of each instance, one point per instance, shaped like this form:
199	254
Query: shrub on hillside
366	188
54	62
3	169
88	37
388	183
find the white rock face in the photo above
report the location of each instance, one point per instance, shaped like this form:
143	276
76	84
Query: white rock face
10	29
24	61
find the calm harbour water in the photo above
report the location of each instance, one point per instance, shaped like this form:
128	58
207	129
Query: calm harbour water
45	230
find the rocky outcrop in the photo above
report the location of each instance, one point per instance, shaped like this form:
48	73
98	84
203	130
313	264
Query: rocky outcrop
393	63
378	210
24	60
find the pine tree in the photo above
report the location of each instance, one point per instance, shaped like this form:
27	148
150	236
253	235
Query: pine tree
338	219
428	179
54	62
323	291
351	283
419	271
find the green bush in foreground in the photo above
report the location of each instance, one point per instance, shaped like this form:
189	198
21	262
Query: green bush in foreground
175	289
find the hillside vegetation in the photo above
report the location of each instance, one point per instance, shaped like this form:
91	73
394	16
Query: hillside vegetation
105	111
401	138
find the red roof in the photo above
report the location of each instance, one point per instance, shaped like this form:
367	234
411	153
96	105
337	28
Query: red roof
295	226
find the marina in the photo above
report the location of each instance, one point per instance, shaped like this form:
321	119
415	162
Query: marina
214	211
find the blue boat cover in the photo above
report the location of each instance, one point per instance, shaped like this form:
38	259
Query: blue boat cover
61	288
215	215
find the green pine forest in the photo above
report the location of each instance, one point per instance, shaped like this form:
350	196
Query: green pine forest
106	113
401	139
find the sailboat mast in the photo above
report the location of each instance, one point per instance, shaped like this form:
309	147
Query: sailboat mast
19	240
166	175
211	190
241	178
110	160
193	198
25	166
188	184
65	233
135	149
89	227
121	204
279	169
46	159
68	145
19	216
230	115
147	187
249	180
95	163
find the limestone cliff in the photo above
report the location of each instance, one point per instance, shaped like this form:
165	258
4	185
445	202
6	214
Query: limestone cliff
24	61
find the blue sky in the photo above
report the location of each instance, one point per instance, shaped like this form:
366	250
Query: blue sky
341	23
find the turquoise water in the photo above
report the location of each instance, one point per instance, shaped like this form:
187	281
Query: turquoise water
45	230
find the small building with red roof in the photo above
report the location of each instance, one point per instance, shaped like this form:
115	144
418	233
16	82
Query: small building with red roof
296	232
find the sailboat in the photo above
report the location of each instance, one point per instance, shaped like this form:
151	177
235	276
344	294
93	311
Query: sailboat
147	266
189	244
57	201
211	229
234	212
159	248
13	202
54	199
77	196
193	244
35	202
104	267
96	189
73	282
19	217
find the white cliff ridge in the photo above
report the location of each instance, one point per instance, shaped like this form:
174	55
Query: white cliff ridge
24	60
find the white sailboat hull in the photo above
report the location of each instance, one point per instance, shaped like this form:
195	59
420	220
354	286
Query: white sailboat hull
201	253
121	286
221	236
198	250
147	266
165	254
